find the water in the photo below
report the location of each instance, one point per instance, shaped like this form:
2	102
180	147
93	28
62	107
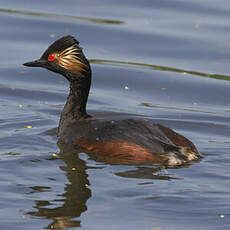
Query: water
164	60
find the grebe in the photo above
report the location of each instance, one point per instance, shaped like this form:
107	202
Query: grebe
136	140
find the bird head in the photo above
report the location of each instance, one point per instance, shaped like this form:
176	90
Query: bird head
64	56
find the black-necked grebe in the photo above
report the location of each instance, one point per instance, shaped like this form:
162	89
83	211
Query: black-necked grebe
129	139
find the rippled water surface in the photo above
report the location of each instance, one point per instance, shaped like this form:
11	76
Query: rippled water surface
163	60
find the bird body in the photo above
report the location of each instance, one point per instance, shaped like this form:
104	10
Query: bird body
138	140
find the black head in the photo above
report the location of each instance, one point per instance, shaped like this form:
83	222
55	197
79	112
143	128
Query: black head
64	56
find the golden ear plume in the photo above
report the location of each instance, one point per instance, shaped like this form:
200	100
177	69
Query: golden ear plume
69	59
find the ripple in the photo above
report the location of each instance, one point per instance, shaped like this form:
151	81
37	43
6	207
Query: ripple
59	16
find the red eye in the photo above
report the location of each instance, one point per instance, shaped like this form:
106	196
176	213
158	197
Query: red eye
51	57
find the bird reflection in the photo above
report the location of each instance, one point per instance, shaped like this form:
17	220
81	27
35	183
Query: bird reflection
73	200
154	173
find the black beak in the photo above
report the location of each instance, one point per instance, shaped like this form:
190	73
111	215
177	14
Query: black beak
36	63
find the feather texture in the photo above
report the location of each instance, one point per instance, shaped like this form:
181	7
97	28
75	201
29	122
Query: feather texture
70	59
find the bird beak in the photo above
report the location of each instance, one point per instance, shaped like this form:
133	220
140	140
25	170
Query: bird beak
36	63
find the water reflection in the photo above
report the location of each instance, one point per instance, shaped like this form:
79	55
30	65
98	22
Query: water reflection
61	16
73	200
77	192
161	68
155	173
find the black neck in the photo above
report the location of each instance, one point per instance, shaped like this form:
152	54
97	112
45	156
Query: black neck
75	107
